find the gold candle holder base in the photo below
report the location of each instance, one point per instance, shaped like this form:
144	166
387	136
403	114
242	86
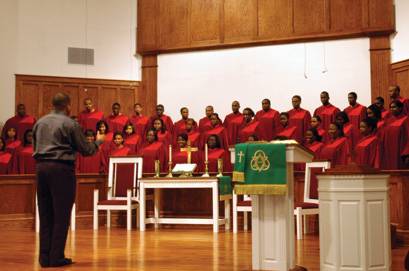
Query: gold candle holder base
206	173
170	171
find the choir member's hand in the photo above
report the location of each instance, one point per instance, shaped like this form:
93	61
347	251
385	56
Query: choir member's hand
100	137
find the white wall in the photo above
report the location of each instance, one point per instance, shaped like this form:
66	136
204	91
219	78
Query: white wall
42	30
400	42
276	72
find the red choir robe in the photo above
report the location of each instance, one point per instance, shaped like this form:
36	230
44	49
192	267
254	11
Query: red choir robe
247	129
21	124
214	155
165	138
299	118
152	152
218	130
287	132
166	120
12	146
24	162
180	157
232	123
336	151
405	102
88	120
114	151
194	138
366	151
133	141
204	124
356	115
269	123
6	162
180	127
348	133
116	123
395	136
385	114
141	124
91	164
327	114
315	147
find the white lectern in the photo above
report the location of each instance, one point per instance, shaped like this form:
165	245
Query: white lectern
273	220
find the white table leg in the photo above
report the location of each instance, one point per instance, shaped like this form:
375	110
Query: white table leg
156	199
215	196
142	211
234	212
227	214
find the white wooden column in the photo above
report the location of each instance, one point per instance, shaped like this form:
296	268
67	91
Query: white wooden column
354	220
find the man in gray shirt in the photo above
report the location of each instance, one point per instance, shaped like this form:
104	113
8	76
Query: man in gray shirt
56	139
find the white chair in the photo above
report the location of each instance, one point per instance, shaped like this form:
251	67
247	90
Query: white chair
310	204
37	218
123	193
243	206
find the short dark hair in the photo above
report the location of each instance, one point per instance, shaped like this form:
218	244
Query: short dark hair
285	114
184	136
353	94
381	99
250	110
317	117
89	132
375	109
266	99
183	109
116	103
297	96
61	100
325	92
137	104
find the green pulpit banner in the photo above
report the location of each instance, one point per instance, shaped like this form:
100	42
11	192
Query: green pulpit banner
225	186
260	169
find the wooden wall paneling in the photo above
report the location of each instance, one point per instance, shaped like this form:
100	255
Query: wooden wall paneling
30	98
400	76
149	83
106	97
147	25
310	16
127	99
275	18
381	14
73	91
174	23
380	57
205	21
240	20
345	15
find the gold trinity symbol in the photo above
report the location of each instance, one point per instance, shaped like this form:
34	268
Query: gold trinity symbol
260	162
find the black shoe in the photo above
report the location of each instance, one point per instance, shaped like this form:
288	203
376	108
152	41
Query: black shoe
61	262
44	263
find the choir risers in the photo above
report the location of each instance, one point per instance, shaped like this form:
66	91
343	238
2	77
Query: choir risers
354	220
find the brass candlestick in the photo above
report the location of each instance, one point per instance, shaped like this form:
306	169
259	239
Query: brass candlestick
206	173
157	168
219	167
170	170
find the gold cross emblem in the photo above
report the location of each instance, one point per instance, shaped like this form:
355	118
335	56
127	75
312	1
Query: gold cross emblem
260	162
240	155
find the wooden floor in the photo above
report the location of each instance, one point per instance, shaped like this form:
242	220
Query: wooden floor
164	249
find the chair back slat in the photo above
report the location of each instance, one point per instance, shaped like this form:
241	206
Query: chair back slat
311	181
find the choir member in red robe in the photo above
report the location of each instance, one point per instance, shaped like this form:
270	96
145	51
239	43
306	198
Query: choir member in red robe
367	150
192	133
300	118
316	123
217	129
249	127
132	139
395	138
139	121
285	131
252	138
24	162
181	157
153	150
12	143
232	122
90	116
6	159
167	121
117	149
380	103
103	129
373	112
93	163
21	122
204	123
269	121
356	112
337	149
312	141
342	119
164	135
180	126
116	121
215	152
394	94
326	112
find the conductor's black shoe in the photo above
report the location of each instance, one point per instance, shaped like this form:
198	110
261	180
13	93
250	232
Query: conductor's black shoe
44	263
61	262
